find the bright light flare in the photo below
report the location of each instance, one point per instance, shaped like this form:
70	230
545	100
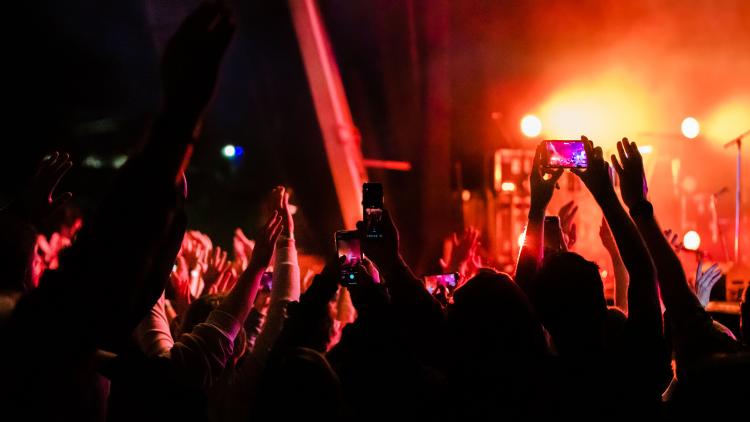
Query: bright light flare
691	240
645	149
690	127
521	239
228	151
728	121
604	107
531	126
508	187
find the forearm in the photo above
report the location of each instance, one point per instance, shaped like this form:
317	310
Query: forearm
285	289
532	251
621	279
642	293
154	336
170	144
239	300
675	292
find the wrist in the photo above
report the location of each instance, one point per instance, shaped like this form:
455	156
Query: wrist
537	211
285	238
606	197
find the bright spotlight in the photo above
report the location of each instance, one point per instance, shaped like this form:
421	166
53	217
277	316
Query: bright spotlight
508	187
531	126
690	127
228	151
521	239
691	240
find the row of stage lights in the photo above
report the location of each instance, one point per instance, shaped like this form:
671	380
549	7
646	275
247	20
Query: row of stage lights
691	240
531	126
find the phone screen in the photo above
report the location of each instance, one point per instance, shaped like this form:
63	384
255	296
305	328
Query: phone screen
566	154
432	282
348	245
372	209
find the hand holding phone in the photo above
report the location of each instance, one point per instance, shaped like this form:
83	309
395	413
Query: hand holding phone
372	210
565	154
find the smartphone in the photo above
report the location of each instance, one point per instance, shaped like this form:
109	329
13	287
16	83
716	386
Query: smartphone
266	281
348	245
567	154
553	237
372	210
449	280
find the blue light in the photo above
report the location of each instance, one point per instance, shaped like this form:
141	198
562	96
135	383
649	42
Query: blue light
238	151
351	276
229	151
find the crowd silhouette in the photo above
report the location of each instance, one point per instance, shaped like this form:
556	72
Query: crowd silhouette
129	315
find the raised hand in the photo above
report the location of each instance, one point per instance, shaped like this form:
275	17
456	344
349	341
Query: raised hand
542	188
629	168
596	176
243	249
367	294
384	251
195	254
224	283
280	203
180	280
266	241
464	253
216	266
37	200
567	216
192	58
705	281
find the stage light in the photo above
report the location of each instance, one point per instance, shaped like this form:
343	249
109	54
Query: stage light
229	151
465	195
646	149
691	240
531	126
119	161
727	121
508	187
690	127
521	239
594	104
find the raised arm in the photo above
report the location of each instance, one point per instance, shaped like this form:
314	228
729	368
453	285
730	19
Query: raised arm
621	273
286	282
420	314
675	291
542	187
643	299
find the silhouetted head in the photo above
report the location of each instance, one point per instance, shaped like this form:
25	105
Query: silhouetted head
302	385
568	294
498	350
492	324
